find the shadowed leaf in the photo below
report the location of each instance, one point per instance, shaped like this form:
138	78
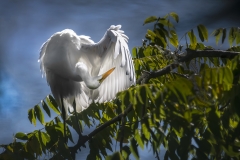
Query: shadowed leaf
46	109
202	32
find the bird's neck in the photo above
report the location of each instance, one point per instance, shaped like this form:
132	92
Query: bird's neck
83	74
91	82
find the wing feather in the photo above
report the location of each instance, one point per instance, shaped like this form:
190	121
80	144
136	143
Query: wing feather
115	54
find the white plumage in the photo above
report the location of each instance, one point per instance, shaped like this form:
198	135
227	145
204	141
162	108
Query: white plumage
75	67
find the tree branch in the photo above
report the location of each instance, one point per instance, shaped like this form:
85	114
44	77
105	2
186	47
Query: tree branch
84	138
191	54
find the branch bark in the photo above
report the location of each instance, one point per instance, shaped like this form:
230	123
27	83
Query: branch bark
191	54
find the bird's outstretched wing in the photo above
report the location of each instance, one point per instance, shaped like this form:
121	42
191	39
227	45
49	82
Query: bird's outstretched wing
111	51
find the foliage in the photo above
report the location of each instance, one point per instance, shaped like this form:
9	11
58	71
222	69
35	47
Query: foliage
192	111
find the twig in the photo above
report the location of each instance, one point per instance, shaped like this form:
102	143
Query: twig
122	133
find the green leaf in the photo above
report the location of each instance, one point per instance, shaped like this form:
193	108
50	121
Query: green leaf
21	136
138	138
45	138
145	131
238	36
224	34
46	109
232	35
64	150
126	152
174	42
151	34
57	119
85	118
74	123
134	52
193	39
34	144
59	126
39	114
202	32
175	16
150	19
52	104
32	116
10	148
165	22
126	133
200	46
134	149
217	33
174	39
115	156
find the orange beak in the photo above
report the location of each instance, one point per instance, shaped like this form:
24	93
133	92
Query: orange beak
106	74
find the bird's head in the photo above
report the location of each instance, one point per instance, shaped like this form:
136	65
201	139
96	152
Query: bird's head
97	81
91	82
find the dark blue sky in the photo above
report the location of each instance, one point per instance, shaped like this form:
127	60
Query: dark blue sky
25	25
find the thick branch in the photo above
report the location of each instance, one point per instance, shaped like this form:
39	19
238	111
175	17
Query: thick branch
207	53
84	138
191	54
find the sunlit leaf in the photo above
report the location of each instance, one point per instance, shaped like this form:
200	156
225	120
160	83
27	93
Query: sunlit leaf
10	148
138	138
52	104
174	39
45	138
217	33
39	114
175	16
232	35
165	22
150	19
193	39
145	131
200	46
60	127
134	52
21	136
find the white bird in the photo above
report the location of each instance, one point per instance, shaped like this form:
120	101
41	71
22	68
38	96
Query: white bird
77	68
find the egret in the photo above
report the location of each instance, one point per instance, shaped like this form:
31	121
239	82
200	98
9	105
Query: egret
78	69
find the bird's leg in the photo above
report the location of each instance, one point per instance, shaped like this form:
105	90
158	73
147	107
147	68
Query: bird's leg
64	120
76	118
